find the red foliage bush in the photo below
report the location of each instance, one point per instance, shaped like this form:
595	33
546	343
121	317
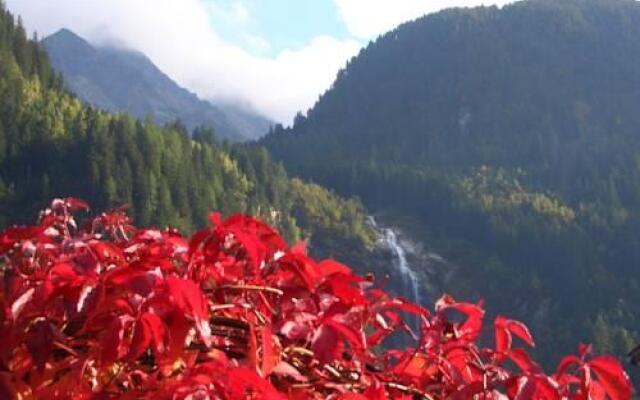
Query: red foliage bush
109	311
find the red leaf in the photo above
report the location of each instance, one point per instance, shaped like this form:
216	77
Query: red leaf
351	334
263	354
110	344
546	388
326	344
597	392
404	305
303	267
523	361
378	336
214	219
504	329
86	298
256	251
331	267
287	370
76	205
178	332
189	299
270	350
584	350
135	280
245	384
141	340
526	388
20	303
470	328
7	389
39	342
345	290
565	363
107	252
503	337
300	248
353	396
149	329
376	391
520	330
158	331
414	367
612	377
13	235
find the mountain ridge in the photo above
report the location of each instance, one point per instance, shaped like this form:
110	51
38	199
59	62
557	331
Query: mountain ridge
125	80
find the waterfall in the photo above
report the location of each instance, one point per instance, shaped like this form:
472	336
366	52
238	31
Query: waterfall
410	284
409	278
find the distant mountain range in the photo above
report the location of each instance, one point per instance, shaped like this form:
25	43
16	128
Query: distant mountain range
124	80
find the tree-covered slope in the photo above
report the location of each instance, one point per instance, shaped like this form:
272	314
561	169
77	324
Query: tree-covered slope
510	138
540	84
127	81
53	145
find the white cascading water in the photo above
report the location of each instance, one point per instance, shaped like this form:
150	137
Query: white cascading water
410	281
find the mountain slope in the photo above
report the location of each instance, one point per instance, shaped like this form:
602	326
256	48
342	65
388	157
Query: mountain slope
121	80
451	87
53	146
508	139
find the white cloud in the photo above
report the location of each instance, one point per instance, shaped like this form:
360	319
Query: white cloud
368	18
178	36
255	43
235	13
240	12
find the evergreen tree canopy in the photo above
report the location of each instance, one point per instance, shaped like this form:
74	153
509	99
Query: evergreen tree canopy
510	138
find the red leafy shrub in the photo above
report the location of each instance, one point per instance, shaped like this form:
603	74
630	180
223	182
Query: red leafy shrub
106	310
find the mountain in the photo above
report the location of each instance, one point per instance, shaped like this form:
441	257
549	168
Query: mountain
122	80
52	145
507	140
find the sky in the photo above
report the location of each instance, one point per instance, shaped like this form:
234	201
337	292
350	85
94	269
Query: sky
273	56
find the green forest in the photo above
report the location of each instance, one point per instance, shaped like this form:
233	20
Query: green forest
508	138
53	145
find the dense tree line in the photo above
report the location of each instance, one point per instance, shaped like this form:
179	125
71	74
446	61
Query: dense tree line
53	145
510	138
